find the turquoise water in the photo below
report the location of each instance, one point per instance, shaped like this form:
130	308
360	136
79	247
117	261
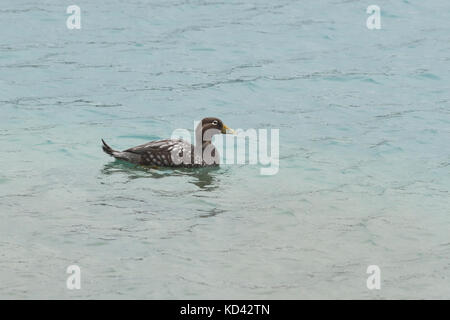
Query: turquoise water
364	149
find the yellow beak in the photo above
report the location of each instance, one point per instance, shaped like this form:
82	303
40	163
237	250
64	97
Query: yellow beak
227	130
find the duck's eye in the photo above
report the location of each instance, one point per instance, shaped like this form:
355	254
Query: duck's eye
215	122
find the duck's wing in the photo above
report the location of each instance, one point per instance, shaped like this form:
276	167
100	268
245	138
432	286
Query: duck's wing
160	152
159	145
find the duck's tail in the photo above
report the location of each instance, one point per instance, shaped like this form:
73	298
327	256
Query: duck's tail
108	149
121	155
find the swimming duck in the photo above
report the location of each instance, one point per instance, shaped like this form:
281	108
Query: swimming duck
177	152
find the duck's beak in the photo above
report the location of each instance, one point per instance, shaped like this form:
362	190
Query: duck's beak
227	130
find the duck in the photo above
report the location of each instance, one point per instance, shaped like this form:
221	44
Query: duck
176	152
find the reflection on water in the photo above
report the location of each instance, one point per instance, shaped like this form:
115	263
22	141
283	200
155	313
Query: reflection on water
204	178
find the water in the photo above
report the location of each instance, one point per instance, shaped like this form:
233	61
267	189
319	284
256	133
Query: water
364	160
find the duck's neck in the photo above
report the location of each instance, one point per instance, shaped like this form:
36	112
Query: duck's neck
205	144
208	150
199	139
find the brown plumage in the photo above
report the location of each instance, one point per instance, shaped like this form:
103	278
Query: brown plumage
176	152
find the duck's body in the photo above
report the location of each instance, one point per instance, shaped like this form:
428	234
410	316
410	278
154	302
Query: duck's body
159	153
176	152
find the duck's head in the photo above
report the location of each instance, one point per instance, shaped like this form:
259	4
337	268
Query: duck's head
210	126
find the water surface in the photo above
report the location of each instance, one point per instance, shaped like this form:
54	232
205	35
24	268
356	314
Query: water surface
364	155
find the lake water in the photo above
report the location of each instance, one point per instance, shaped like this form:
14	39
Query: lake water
363	117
